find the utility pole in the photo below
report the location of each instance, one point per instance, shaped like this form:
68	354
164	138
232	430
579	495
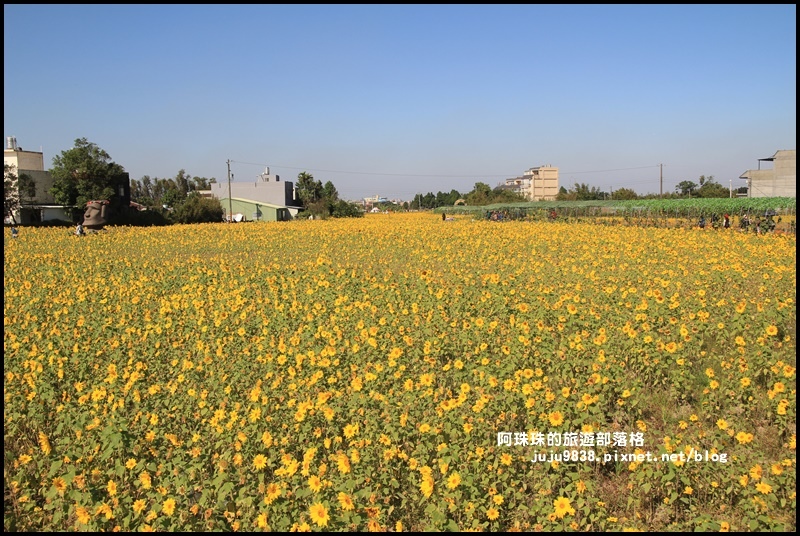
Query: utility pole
731	187
661	180
230	199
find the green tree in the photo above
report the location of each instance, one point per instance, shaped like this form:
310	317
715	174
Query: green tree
203	183
686	188
309	190
183	183
583	192
343	209
330	196
502	195
329	192
172	198
565	195
142	191
480	195
84	173
710	188
624	194
199	209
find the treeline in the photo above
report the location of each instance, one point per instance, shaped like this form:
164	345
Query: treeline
705	188
322	200
481	194
176	200
167	192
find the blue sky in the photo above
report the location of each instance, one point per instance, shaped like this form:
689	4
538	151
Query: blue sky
403	99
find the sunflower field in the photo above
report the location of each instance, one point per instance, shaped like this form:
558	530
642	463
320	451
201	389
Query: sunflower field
399	373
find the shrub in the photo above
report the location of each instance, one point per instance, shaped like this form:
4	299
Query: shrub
198	209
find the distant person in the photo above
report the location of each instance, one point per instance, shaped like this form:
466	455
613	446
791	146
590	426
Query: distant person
702	222
727	221
769	223
443	216
14	232
745	223
79	230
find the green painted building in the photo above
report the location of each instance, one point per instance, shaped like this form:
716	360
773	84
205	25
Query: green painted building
254	210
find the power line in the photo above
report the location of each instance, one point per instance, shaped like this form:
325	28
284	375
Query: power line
604	170
430	175
365	172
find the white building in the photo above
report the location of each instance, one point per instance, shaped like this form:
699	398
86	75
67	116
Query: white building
41	206
268	189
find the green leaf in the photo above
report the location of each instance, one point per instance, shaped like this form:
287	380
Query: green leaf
224	490
55	466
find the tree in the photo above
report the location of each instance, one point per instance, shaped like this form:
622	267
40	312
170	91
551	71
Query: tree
171	192
199	209
624	194
583	192
330	196
183	183
565	195
203	183
686	188
502	195
172	198
10	192
329	192
343	209
480	194
84	173
142	191
308	190
710	188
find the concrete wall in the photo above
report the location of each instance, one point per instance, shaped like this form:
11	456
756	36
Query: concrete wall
254	211
39	213
780	181
543	184
24	160
43	182
279	193
56	213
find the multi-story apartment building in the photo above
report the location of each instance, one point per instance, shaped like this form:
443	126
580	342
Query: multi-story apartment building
536	184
